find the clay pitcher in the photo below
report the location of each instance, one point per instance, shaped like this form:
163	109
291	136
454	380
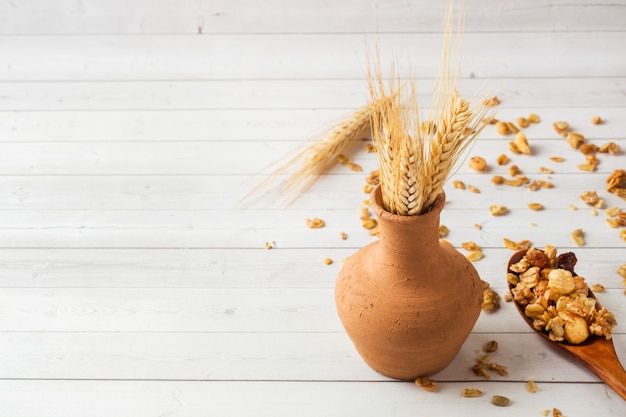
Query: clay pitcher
407	301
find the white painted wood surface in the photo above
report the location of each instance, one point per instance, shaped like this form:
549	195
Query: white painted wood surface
132	283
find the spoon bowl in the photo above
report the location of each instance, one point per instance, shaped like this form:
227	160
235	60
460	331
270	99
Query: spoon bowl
596	353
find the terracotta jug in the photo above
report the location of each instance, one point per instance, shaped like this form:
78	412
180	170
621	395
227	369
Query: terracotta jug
407	301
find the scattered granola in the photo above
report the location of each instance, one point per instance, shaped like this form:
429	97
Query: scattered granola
535	206
532	387
590	197
343	235
491	346
502	159
478	163
443	230
500	401
328	261
428	384
616	183
475	256
596	120
458	184
578	237
522	244
498	210
471	392
315	223
491	299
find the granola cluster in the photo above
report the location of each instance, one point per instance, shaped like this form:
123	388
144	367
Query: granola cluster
556	299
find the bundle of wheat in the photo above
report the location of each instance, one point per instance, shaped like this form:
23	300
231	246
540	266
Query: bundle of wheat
415	156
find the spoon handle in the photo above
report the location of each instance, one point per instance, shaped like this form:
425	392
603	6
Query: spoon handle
603	361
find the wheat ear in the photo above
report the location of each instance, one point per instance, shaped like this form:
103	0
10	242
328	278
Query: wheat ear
307	163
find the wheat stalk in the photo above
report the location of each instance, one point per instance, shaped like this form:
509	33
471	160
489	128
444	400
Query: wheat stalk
308	162
416	158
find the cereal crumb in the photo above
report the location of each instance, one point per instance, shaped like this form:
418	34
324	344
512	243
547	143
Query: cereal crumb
270	245
343	235
475	256
596	120
532	387
473	189
328	261
471	392
491	346
315	223
598	288
498	210
578	237
426	383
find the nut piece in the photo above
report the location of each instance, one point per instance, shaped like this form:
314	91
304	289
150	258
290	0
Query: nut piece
315	223
478	163
500	401
491	346
576	330
498	210
577	237
561	281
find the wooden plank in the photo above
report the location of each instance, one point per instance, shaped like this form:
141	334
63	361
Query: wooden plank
214	229
201	192
228	158
227	268
263	310
253	228
222	16
293	125
316	56
256	356
275	399
286	94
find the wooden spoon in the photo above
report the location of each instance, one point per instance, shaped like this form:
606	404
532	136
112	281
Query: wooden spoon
596	353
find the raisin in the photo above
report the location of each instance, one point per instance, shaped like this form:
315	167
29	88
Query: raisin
567	261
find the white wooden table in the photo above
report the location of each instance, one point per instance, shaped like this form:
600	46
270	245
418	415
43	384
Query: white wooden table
131	284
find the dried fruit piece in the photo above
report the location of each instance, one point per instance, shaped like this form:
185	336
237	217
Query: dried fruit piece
500	401
315	223
577	237
498	210
428	384
471	392
478	163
